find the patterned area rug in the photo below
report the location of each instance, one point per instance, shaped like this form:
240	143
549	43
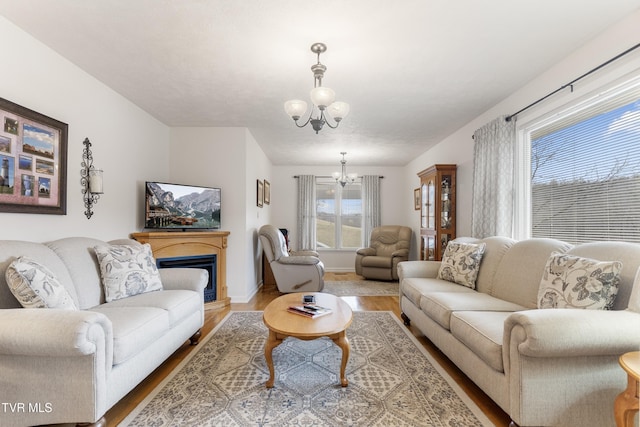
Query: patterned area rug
392	381
349	288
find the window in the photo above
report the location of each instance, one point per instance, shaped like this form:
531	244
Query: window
338	215
585	170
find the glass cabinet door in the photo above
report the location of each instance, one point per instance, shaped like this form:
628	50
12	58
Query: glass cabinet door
423	206
431	205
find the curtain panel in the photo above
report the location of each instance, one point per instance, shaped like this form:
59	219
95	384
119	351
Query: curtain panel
306	235
370	205
492	206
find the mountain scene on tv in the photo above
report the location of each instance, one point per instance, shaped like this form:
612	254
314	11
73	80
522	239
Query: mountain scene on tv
179	206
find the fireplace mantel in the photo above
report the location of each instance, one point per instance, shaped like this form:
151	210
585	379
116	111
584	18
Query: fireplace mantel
168	244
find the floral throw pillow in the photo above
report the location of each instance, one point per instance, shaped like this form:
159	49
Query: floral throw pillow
127	270
461	263
35	286
570	281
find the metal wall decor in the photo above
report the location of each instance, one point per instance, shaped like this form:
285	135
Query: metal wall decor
91	179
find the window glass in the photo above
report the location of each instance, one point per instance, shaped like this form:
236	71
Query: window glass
338	215
585	174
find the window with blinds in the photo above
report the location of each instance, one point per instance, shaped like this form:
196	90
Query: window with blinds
338	215
585	171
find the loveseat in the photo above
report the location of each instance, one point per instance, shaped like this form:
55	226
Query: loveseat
71	364
542	366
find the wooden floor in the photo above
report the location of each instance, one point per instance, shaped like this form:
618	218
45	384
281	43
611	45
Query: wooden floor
366	303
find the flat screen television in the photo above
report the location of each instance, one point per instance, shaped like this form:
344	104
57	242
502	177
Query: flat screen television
181	207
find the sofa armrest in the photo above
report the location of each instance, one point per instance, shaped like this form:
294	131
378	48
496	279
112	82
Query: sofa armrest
400	253
427	269
366	251
304	253
194	279
572	332
299	260
51	332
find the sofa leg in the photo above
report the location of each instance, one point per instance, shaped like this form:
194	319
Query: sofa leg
513	424
406	319
102	422
195	337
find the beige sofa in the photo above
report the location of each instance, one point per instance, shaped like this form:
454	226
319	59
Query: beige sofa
71	366
543	367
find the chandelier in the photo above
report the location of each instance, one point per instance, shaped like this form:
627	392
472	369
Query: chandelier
322	97
343	178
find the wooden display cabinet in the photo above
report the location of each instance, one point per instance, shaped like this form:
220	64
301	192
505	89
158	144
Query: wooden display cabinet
437	210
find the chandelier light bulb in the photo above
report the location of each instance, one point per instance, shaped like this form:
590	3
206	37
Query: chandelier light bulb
338	110
322	97
295	108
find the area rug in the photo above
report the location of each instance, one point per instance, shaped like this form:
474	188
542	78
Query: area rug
392	381
347	288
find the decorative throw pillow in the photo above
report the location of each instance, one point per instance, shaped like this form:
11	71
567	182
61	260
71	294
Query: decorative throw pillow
570	281
35	286
127	270
461	263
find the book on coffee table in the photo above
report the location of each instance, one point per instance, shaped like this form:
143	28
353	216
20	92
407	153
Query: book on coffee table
311	311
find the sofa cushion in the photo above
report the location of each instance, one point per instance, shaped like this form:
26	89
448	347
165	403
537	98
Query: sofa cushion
518	276
570	281
127	270
377	261
178	304
461	263
440	305
35	286
481	332
414	287
134	328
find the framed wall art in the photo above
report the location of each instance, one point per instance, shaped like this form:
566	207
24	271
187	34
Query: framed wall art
33	161
260	193
267	192
416	199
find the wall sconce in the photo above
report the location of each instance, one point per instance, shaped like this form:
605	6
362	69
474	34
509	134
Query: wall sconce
91	179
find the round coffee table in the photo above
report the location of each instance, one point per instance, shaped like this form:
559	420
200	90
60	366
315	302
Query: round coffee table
283	324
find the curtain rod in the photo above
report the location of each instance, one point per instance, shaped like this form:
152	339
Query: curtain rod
327	176
570	84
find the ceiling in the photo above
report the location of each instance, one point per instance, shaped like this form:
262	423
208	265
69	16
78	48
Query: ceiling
413	71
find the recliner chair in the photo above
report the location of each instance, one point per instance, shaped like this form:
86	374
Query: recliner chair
300	271
388	245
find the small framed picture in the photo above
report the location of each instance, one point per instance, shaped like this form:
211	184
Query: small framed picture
267	192
260	193
416	199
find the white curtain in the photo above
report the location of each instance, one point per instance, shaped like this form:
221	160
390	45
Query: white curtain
370	205
306	236
492	207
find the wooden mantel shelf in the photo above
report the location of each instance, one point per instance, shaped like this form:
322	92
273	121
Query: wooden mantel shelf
169	244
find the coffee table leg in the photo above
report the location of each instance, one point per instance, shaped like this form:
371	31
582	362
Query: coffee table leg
342	342
272	342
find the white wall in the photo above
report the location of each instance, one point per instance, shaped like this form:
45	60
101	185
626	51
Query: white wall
395	203
128	144
231	159
458	147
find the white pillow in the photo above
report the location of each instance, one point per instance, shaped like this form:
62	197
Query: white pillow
570	281
461	263
35	286
127	270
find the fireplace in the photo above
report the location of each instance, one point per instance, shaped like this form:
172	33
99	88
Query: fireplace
200	249
207	262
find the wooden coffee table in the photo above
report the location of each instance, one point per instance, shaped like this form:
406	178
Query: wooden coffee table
626	404
283	324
